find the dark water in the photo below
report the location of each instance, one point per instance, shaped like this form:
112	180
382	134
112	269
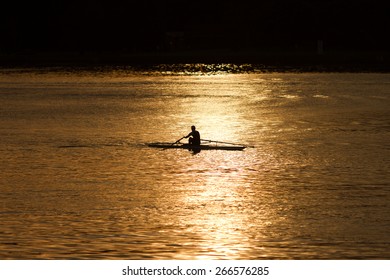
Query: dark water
78	182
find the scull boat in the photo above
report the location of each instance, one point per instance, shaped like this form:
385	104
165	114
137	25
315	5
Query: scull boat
197	147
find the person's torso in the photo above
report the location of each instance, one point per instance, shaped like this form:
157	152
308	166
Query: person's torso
196	135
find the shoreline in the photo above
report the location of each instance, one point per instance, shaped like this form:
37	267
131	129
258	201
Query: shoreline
204	61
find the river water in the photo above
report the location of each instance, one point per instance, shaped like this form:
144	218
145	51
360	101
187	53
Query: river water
79	182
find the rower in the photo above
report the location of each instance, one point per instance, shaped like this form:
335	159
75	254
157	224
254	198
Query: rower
195	139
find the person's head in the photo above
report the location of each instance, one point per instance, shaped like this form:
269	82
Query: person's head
193	127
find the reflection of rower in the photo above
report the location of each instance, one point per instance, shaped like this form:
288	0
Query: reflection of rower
195	139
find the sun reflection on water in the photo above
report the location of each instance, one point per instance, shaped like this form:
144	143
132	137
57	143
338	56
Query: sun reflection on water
219	182
216	215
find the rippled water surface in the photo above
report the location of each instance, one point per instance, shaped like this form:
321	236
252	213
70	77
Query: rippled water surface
78	182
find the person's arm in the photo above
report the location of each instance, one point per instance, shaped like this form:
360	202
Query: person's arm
189	134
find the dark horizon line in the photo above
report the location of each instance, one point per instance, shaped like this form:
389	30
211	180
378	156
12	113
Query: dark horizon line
276	60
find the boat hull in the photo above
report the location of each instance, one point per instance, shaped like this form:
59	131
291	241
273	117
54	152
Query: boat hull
196	147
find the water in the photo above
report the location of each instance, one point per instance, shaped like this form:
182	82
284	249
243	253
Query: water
78	182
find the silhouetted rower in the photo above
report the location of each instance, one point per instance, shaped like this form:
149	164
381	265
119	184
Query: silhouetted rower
195	139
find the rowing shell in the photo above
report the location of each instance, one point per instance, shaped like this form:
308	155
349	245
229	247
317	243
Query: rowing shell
196	147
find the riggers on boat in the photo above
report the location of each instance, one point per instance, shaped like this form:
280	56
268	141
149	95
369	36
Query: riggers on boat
197	147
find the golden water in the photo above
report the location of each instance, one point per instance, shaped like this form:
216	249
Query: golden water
78	182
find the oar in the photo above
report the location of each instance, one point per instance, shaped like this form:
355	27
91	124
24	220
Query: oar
174	143
226	143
